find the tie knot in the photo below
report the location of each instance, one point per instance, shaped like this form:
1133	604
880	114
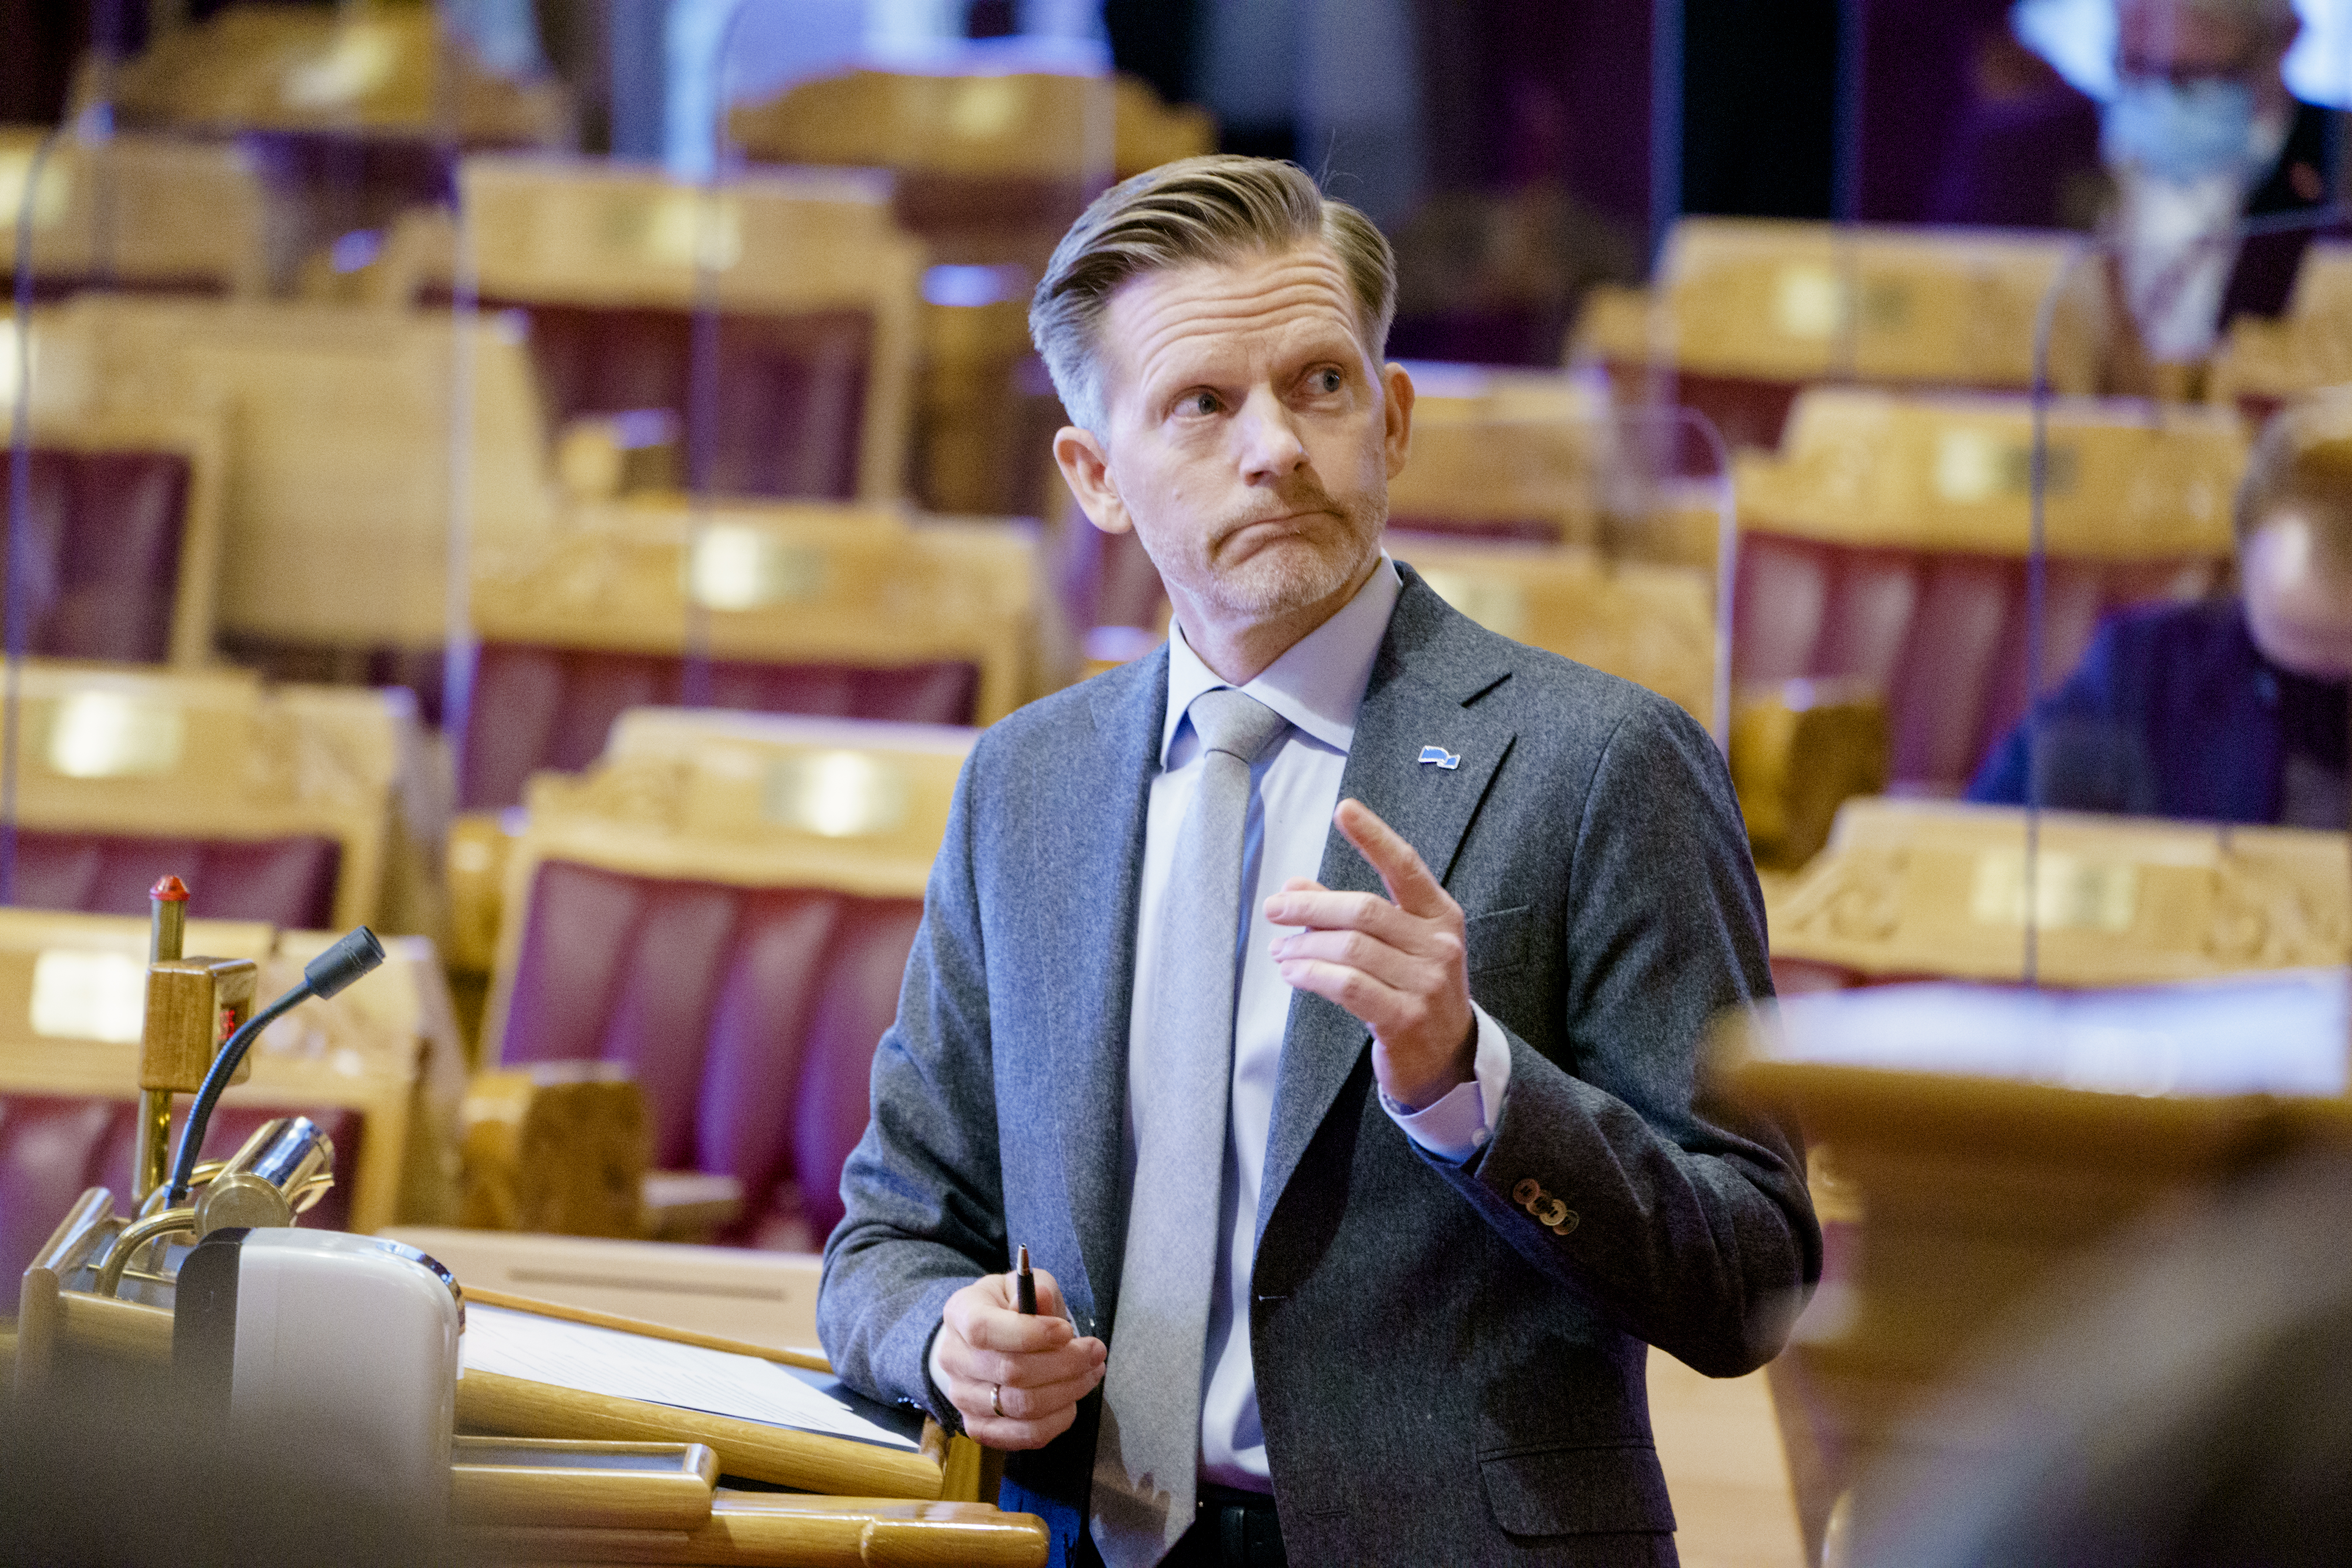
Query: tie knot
1234	722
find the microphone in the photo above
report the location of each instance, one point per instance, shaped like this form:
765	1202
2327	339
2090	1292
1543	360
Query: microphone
352	956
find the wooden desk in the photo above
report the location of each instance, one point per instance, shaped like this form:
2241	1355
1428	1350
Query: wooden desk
1971	1190
70	1011
1913	888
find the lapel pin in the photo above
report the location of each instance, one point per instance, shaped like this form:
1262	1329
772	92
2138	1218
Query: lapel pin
1445	759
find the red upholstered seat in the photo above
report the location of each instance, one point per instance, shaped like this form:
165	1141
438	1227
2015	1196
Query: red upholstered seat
1942	633
748	1015
787	397
52	1147
552	707
287	882
105	546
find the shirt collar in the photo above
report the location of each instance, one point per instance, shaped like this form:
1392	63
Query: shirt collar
1318	683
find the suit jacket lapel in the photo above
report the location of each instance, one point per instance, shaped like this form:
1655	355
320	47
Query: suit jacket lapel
1431	664
1093	934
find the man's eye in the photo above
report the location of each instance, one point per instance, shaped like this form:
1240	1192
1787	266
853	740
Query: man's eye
1199	403
1325	381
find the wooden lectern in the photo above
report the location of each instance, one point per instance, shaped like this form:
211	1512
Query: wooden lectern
1964	1190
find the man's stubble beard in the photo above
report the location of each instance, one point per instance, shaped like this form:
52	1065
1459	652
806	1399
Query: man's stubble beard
1277	581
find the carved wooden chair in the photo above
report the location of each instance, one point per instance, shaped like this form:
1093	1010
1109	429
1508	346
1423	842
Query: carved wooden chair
380	1068
300	806
142	211
337	492
1653	624
125	543
725	904
814	289
799	608
990	167
1749	312
1886	543
2263	364
350	116
1912	888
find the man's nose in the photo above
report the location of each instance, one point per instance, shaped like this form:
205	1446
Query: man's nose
1270	444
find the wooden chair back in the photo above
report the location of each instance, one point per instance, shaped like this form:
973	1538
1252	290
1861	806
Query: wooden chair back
314	795
1885	542
794	249
142	211
2262	362
991	166
374	69
340	432
791	855
127	504
380	1065
1148	132
801	607
1749	310
1653	624
1915	888
1505	453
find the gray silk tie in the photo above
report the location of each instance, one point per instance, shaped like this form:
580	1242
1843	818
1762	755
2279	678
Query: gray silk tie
1147	1457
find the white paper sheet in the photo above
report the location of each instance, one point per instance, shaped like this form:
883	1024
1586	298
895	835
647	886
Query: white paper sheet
2281	1032
623	1365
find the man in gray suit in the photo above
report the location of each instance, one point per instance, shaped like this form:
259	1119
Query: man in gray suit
1318	999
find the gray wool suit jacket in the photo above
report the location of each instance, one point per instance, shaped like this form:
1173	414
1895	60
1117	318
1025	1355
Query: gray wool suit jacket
1449	1358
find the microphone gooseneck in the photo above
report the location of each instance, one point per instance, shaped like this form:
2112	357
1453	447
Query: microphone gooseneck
354	955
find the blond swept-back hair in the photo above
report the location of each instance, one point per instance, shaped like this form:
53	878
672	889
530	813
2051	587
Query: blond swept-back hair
1217	208
2303	458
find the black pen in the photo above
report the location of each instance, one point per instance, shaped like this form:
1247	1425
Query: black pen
1024	1286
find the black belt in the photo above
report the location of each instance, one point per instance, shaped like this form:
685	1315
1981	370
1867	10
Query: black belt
1232	1529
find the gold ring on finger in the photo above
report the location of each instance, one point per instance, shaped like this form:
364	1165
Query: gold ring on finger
996	1400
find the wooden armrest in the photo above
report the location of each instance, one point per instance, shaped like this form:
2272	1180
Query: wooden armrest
690	1206
1799	750
481	843
599	457
556	1147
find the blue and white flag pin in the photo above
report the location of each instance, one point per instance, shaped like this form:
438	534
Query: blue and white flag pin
1445	759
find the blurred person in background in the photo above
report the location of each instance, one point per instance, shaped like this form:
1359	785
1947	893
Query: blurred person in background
2231	709
2202	133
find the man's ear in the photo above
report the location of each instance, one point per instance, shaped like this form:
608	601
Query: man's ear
1398	411
1086	469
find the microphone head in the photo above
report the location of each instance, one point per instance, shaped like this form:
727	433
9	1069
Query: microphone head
349	958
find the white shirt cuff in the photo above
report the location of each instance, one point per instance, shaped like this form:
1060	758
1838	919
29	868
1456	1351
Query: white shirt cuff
931	1364
1458	1125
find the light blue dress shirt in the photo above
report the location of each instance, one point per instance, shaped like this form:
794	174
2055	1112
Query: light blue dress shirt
1318	685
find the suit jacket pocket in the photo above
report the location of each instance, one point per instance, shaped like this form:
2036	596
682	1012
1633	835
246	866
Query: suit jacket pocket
1497	941
1577	1489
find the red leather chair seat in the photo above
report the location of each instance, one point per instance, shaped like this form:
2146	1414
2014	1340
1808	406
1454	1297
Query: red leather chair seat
105	548
750	1016
552	707
1942	633
287	882
787	409
52	1147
